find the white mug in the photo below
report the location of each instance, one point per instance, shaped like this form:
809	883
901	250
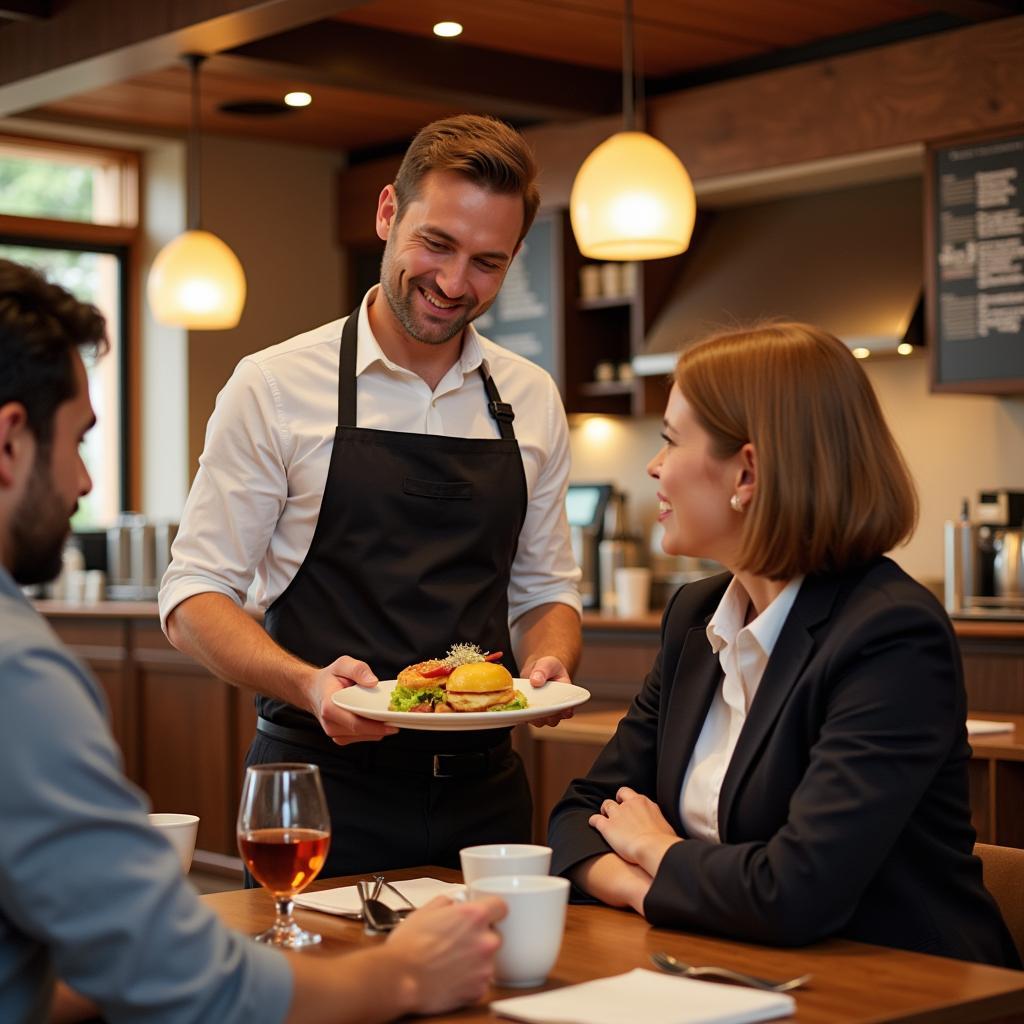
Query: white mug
181	830
531	931
632	591
504	859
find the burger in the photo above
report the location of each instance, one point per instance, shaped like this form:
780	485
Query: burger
466	680
415	691
483	686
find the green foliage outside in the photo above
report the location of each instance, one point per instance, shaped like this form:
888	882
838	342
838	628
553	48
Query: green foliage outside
41	188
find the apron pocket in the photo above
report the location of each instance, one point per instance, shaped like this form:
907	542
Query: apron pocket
457	491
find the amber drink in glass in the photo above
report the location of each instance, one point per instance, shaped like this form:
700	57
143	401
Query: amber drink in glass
284	832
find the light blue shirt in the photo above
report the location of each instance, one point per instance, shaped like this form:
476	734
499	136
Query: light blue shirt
89	892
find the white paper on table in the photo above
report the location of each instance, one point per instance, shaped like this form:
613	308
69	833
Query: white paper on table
345	900
981	726
641	995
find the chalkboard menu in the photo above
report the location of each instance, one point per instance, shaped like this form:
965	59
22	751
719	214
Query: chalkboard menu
526	316
976	272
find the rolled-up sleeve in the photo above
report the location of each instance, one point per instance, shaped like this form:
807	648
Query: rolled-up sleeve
87	879
237	496
544	570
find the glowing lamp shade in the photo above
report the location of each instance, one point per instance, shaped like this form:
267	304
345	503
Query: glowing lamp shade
197	282
632	200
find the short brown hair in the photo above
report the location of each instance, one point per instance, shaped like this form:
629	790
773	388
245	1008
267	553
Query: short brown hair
40	325
485	150
833	490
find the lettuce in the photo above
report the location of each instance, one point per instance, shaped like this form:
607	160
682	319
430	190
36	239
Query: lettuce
518	703
404	698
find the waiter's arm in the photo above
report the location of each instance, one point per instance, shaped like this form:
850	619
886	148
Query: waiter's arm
545	633
212	629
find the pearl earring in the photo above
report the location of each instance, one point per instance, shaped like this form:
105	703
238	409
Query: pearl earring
735	503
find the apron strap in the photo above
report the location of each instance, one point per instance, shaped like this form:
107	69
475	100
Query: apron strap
347	371
501	411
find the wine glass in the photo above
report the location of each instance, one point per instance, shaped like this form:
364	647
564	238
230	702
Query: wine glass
284	831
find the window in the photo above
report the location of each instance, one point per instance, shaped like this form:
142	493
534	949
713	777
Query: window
71	212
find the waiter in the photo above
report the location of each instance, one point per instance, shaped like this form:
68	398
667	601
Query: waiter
396	484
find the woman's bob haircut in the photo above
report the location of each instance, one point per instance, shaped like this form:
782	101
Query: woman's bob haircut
832	488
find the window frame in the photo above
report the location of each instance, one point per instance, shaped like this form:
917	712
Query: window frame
122	241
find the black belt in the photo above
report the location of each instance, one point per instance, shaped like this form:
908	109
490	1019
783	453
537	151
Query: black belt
369	755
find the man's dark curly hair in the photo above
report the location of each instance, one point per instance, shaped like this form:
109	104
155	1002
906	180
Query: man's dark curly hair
40	324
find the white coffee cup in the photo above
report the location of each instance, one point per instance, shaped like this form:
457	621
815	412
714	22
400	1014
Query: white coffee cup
504	859
181	830
531	931
632	591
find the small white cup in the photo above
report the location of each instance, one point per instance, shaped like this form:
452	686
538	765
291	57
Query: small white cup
95	586
181	830
632	591
75	586
531	931
504	859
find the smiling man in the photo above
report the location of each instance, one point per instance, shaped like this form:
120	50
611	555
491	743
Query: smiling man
396	484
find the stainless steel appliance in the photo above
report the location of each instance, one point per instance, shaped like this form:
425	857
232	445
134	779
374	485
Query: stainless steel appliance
985	557
138	552
586	506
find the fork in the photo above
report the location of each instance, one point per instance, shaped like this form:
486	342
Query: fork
669	963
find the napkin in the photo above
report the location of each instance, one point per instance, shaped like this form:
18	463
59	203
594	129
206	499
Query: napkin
648	996
345	900
980	726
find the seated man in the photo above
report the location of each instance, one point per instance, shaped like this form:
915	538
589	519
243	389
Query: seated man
89	892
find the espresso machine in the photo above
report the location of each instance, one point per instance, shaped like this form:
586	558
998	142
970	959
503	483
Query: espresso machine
984	554
600	541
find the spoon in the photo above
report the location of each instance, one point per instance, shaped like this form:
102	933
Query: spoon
669	963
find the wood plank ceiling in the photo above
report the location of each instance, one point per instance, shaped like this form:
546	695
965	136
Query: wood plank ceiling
377	73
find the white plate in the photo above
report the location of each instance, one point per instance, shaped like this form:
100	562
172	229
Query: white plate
372	702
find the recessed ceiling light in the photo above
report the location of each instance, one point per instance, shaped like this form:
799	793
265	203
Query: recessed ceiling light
862	353
298	99
447	29
905	348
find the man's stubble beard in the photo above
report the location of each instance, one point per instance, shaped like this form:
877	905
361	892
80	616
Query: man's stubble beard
401	306
39	527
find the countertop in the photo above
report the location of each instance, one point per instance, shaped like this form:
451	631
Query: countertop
596	621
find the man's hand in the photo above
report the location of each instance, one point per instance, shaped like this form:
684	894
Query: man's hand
635	828
445	952
343	726
541	671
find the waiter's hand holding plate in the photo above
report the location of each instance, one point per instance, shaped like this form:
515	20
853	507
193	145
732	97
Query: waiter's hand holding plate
340	724
544	670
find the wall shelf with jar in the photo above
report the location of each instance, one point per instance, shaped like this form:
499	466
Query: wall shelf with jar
609	307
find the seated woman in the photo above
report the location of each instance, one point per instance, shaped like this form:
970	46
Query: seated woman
795	765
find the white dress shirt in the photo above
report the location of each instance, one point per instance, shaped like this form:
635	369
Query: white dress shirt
253	506
743	652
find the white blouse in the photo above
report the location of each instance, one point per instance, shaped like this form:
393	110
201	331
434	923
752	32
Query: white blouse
743	652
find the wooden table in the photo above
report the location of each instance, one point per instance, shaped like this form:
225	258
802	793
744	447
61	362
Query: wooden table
852	982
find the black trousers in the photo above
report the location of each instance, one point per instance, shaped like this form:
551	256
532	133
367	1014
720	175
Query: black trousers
387	813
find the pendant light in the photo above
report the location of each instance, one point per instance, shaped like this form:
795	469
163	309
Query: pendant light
196	280
632	198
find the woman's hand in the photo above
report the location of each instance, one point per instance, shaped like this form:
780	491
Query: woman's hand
611	880
635	829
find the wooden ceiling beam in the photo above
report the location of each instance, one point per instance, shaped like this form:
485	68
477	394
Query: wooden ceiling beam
471	78
26	10
87	44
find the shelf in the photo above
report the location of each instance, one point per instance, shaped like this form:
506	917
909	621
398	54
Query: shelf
601	388
605	302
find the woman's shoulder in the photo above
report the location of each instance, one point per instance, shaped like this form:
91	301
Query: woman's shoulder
879	595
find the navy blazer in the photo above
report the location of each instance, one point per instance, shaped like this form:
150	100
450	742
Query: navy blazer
845	807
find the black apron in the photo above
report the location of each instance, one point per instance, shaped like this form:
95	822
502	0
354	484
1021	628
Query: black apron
412	552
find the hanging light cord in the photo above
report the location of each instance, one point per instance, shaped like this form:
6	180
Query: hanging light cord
627	66
194	143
